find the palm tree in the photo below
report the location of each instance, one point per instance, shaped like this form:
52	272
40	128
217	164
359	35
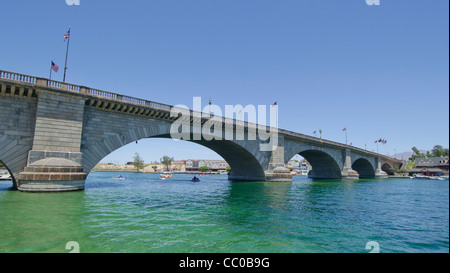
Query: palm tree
167	161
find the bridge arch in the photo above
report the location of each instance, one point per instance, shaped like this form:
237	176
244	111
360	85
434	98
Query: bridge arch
324	166
244	165
364	168
3	167
386	167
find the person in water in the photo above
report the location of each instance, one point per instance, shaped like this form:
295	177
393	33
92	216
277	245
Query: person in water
120	176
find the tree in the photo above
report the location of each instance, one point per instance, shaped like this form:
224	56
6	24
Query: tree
154	168
437	151
203	169
416	154
138	162
167	161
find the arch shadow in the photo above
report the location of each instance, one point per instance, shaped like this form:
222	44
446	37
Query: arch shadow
364	168
244	166
386	167
12	179
323	165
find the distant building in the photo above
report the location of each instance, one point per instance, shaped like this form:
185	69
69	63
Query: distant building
430	166
299	167
193	165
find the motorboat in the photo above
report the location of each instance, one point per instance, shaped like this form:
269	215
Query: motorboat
166	175
4	175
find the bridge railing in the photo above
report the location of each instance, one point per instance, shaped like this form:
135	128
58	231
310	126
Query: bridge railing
80	89
118	97
17	77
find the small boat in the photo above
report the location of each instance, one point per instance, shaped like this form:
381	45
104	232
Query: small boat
195	179
120	177
4	175
166	175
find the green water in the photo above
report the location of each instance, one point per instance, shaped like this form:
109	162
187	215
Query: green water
145	214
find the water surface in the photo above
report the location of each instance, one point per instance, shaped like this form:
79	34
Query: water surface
145	214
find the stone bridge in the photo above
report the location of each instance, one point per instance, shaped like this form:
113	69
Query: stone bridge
52	134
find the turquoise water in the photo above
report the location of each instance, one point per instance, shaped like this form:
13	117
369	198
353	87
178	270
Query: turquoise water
145	214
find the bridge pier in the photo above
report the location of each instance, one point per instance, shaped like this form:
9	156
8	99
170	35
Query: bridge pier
52	174
347	171
379	173
54	163
277	172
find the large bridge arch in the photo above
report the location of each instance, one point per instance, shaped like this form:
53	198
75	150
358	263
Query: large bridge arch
386	167
325	163
364	168
102	136
324	166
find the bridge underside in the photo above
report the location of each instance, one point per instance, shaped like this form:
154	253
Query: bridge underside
363	168
323	165
244	165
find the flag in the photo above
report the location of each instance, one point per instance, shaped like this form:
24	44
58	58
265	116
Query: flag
55	67
376	141
380	140
351	143
67	35
275	103
345	129
314	132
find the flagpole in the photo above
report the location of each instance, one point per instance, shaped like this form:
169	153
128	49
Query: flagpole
345	135
67	52
51	69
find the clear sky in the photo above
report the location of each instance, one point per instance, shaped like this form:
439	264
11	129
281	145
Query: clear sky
381	71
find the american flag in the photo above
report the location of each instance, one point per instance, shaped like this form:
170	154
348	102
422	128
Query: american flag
67	35
55	67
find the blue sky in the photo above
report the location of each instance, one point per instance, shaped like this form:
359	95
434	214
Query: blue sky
381	71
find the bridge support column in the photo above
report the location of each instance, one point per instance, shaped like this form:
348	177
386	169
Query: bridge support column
379	173
277	171
54	163
347	171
